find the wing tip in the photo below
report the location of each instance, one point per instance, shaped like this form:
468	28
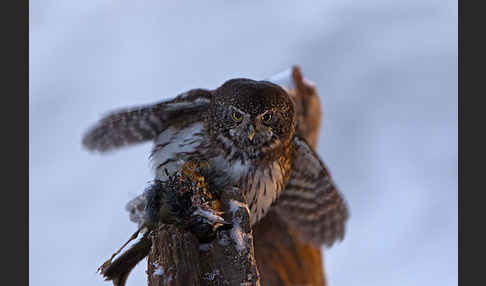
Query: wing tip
328	234
95	141
90	141
322	240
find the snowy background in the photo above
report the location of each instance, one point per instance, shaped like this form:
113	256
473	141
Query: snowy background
387	76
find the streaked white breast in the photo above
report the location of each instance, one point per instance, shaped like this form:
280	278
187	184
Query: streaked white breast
173	146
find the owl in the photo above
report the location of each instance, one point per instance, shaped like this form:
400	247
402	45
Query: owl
247	129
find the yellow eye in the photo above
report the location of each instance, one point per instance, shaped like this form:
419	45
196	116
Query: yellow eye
267	117
237	116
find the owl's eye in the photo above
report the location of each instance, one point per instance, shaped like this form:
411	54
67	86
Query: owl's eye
267	117
237	116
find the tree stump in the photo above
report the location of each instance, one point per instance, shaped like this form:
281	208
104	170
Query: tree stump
177	257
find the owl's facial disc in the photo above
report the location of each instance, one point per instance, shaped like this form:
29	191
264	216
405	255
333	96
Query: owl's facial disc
252	117
253	133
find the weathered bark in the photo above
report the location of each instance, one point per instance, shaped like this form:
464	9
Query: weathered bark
281	256
230	259
174	257
177	258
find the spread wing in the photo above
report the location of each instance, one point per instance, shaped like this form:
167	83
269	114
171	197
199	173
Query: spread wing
138	124
310	201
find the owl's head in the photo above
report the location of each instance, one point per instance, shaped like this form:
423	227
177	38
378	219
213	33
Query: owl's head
256	117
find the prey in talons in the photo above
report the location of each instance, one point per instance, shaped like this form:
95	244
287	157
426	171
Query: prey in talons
189	199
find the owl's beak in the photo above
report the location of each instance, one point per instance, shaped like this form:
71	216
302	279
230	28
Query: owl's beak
251	133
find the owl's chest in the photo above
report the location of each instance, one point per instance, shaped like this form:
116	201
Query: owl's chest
261	186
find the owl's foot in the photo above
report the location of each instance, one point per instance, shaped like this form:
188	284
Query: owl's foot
205	224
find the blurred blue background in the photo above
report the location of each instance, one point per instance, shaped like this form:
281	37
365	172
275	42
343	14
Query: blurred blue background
386	72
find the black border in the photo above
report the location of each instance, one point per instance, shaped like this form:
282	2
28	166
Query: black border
15	138
471	64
